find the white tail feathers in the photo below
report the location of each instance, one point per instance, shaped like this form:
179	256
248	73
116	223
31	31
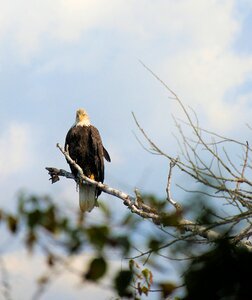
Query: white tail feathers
87	197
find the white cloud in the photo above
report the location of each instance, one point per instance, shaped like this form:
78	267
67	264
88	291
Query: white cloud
196	37
32	25
204	80
188	43
204	67
15	149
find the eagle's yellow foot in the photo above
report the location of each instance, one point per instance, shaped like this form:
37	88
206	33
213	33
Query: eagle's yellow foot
92	177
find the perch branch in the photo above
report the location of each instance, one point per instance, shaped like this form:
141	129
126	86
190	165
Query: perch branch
143	211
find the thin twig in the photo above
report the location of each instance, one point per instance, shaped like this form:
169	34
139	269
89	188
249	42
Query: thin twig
168	187
148	212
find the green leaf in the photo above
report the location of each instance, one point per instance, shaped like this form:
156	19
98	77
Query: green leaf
74	240
145	290
131	264
98	235
33	218
167	288
170	219
48	219
30	240
148	276
97	269
123	242
154	244
122	281
12	223
146	273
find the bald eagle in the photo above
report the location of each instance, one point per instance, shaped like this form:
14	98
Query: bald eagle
84	145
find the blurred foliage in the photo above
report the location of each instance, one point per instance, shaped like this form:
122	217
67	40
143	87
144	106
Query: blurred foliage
122	283
222	273
97	269
219	273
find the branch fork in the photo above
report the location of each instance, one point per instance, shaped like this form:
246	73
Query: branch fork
136	204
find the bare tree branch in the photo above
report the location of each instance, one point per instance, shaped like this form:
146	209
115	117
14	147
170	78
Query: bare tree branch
168	187
142	209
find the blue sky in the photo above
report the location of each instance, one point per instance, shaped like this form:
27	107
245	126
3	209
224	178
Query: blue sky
57	56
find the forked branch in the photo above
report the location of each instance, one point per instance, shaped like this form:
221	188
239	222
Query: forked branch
140	208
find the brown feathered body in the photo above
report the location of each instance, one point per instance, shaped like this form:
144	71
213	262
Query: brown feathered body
85	147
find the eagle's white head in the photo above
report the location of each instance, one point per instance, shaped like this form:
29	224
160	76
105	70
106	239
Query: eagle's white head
82	118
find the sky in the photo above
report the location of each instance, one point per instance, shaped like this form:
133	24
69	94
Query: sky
58	56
